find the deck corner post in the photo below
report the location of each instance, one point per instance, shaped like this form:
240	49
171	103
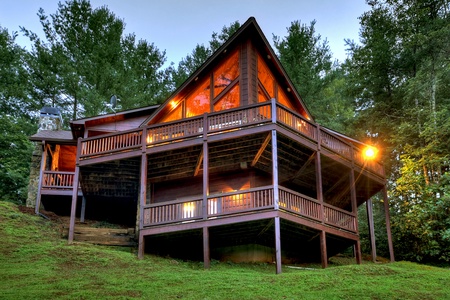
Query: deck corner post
373	247
74	204
277	245
141	245
205	179
206	250
83	209
357	248
323	249
388	224
275	169
273	112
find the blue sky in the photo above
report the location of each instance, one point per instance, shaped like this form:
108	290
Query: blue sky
176	26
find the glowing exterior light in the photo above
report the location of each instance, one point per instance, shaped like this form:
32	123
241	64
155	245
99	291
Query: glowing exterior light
370	153
173	104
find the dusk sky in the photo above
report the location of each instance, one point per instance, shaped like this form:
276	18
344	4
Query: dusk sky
178	26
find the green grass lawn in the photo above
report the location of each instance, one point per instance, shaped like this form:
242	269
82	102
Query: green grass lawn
35	263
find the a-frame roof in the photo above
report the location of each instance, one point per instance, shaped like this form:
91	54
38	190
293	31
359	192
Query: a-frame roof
249	30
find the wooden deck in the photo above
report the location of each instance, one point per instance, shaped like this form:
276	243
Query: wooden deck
131	143
251	200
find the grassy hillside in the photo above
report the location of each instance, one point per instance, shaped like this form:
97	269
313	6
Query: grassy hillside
35	263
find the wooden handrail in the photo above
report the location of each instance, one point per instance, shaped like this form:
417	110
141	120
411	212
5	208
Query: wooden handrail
231	119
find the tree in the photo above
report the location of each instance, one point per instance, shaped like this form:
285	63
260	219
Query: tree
399	77
16	122
85	58
307	61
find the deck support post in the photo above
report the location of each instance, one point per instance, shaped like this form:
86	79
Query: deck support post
141	245
388	224
206	252
205	168
74	204
373	246
277	245
357	248
323	249
275	169
83	209
41	176
142	198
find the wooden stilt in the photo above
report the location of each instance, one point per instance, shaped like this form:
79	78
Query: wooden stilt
206	251
74	204
373	247
83	209
277	245
357	248
323	249
275	169
388	224
141	245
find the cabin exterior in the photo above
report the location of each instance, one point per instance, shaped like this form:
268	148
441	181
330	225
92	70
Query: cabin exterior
231	165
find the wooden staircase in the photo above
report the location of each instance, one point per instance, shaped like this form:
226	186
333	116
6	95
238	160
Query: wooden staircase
103	236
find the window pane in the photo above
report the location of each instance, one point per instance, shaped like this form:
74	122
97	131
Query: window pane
226	73
261	95
176	114
265	77
198	102
284	100
229	100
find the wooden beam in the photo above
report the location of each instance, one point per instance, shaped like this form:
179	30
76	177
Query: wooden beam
319	190
388	224
277	245
74	204
305	165
323	249
373	247
83	209
205	171
357	248
199	163
261	149
206	250
275	169
141	245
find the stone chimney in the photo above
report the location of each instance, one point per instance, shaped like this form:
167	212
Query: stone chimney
50	119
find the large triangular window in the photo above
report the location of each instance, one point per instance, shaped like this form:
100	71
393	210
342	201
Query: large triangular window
224	84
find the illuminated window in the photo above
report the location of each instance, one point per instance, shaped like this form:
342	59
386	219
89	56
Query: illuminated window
262	97
176	114
283	99
226	73
198	102
229	100
265	77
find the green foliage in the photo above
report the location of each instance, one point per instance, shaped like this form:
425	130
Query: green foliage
35	263
86	57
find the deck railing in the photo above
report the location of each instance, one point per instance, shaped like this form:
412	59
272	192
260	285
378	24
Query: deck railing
110	143
57	180
299	204
240	201
232	119
191	209
339	217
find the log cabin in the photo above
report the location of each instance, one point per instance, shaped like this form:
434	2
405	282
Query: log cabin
231	166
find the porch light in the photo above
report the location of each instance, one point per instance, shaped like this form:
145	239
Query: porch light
370	152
